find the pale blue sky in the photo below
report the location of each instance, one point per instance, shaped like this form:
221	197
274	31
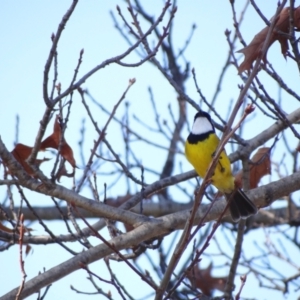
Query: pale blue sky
26	28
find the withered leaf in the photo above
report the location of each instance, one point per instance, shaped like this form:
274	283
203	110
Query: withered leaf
63	172
21	152
259	167
203	280
54	140
279	33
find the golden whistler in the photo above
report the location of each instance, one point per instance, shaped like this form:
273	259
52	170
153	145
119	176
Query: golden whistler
200	148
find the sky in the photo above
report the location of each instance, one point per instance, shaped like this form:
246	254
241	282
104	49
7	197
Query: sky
26	28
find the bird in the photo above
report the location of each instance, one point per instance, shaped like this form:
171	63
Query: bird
200	148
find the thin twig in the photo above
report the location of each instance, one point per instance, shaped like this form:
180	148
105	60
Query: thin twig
24	275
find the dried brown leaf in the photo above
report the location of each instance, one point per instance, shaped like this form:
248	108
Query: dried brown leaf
203	280
55	139
21	152
279	33
259	167
63	172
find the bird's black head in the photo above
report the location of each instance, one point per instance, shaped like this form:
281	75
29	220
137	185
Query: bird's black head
202	114
202	127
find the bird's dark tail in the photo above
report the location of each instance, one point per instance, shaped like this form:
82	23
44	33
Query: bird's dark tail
240	205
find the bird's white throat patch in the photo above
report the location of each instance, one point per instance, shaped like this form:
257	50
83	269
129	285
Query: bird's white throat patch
202	125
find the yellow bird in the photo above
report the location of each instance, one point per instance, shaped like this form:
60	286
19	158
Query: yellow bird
200	148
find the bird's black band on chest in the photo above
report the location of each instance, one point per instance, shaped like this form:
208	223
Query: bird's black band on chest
195	138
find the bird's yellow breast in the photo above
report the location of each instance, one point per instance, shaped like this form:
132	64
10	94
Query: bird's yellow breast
200	156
